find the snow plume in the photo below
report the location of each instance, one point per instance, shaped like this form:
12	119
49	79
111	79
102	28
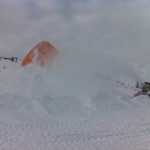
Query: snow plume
76	74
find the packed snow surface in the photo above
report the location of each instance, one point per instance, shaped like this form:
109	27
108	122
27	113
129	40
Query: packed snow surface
81	105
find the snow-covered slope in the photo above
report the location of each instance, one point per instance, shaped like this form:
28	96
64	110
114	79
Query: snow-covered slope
77	105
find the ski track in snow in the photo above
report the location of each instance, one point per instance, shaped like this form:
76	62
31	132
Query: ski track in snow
44	137
107	120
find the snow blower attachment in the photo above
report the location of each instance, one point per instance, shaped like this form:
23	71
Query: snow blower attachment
42	54
145	90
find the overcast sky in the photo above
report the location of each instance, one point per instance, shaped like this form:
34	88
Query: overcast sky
111	26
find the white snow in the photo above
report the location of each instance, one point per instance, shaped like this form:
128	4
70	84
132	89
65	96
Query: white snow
78	105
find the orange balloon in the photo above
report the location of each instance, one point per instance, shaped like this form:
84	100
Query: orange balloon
42	54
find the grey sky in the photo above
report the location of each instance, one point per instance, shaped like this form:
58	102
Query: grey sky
110	26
